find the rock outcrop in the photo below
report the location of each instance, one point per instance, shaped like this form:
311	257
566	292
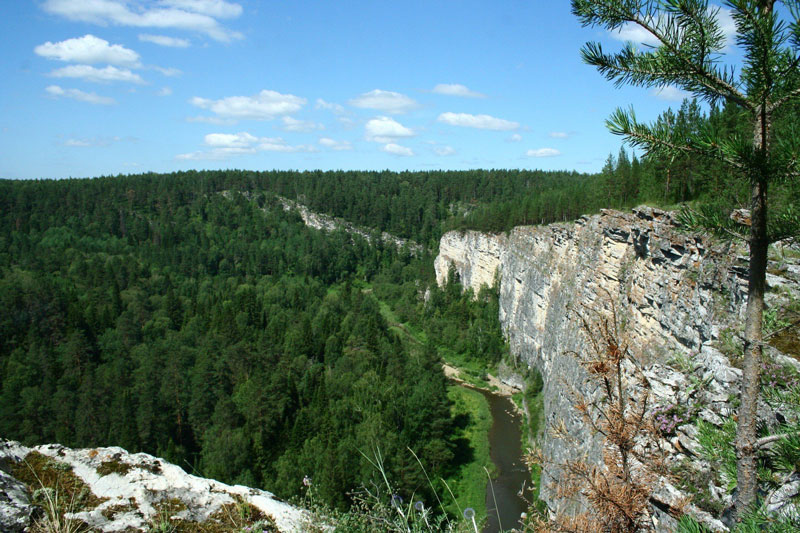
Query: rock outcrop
111	490
677	294
324	222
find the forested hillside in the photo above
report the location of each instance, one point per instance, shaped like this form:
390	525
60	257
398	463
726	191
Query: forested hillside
175	315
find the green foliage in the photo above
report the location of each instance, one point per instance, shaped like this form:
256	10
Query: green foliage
687	524
155	314
472	424
716	447
464	327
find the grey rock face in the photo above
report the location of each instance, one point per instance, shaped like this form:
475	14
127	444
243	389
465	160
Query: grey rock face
16	512
674	292
132	495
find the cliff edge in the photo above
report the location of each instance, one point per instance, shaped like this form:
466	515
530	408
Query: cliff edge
111	490
680	297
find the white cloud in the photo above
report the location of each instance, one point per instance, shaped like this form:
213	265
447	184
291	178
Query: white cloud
213	8
300	126
230	140
97	75
337	109
212	120
335	145
225	145
140	15
386	101
444	150
456	89
169	72
165	91
88	49
543	152
163	40
636	34
727	25
483	122
76	94
96	141
82	143
386	130
670	93
559	135
266	105
515	138
396	149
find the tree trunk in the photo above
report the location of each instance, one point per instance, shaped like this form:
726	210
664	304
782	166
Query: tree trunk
746	470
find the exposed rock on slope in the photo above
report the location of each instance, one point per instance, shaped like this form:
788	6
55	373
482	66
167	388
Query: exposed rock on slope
328	223
113	490
678	295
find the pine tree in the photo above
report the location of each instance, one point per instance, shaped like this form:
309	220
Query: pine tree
691	43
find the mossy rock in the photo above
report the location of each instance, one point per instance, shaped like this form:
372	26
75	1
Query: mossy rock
39	471
114	466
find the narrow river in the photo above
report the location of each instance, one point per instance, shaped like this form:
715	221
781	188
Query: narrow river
505	448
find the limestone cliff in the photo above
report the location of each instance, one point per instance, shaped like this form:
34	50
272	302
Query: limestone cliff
677	294
111	490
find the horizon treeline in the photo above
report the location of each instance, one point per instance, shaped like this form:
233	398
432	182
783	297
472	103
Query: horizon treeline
422	205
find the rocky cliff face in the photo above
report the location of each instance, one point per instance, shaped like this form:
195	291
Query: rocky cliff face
110	490
676	293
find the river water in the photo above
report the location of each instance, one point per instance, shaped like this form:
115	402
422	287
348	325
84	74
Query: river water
505	448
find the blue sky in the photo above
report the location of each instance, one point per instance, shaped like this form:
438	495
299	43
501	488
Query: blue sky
103	87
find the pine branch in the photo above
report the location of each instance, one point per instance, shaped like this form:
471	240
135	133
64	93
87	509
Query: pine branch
618	67
622	123
785	98
765	441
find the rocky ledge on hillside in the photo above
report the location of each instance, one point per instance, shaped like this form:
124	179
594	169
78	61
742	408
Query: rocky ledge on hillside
328	223
111	490
681	298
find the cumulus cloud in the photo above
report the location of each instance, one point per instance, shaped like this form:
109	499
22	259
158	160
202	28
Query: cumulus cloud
97	75
386	101
266	105
386	130
515	138
336	109
225	145
165	91
163	40
198	16
634	33
299	126
483	122
670	93
559	134
456	89
76	94
334	144
396	149
88	49
169	72
543	152
230	140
